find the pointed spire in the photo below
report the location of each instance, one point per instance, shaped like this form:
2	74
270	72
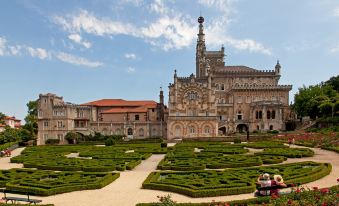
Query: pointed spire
277	65
201	29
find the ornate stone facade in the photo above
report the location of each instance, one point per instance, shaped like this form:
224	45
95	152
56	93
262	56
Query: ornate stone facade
220	99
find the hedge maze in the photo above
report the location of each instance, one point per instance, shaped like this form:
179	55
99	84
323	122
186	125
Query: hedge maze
232	181
44	183
216	155
91	158
82	167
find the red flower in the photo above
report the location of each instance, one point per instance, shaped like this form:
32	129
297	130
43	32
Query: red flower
315	188
298	190
324	190
337	179
324	204
274	196
289	202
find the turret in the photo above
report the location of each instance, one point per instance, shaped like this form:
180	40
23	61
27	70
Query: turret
277	68
161	96
200	49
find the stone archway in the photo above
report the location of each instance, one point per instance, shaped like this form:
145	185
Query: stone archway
242	128
222	131
129	131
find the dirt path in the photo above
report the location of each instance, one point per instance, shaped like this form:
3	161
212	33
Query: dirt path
126	190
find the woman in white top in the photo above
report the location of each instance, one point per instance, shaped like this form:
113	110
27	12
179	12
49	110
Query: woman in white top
264	181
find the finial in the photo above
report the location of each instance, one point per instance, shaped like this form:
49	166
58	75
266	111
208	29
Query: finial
175	71
201	20
278	64
161	89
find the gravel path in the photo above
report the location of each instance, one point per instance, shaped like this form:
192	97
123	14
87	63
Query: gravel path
126	190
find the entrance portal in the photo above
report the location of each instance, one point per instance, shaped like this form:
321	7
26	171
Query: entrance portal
242	128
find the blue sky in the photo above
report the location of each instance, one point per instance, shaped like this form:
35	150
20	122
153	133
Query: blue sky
88	50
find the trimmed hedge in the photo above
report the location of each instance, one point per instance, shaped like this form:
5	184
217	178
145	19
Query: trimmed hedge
288	152
232	181
265	144
45	183
91	158
7	145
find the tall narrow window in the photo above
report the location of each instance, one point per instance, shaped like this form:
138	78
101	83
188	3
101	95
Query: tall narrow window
136	117
273	114
260	114
256	115
268	114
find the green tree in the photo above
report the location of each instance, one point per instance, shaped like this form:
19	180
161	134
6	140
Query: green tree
32	118
72	137
2	118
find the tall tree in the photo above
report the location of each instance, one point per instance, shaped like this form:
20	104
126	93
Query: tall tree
32	118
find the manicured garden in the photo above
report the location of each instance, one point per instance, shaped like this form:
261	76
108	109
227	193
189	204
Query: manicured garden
91	158
219	155
45	183
232	181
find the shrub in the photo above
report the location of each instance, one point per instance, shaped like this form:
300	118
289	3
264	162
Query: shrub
109	142
237	140
163	144
52	141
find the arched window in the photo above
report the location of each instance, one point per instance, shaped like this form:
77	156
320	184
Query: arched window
117	131
258	128
177	131
207	130
192	129
129	131
222	87
271	127
256	115
141	132
273	114
268	114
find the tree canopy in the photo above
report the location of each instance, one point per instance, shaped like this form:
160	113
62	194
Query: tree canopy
321	100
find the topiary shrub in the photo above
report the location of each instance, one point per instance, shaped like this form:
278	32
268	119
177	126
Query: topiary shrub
237	140
52	141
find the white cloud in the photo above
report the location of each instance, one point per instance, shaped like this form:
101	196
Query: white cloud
130	56
88	23
78	39
130	70
158	6
335	49
3	43
80	61
170	30
38	52
15	50
336	12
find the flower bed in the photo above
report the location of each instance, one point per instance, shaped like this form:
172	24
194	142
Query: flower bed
231	181
45	183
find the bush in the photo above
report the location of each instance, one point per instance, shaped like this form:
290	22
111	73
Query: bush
109	142
163	144
52	141
237	140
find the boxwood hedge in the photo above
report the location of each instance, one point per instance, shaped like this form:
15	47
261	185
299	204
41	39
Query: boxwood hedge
288	152
91	158
232	181
45	183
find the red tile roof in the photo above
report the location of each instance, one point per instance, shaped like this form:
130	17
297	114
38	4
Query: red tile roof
121	103
142	109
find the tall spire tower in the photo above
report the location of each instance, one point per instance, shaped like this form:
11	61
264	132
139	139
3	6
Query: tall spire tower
200	50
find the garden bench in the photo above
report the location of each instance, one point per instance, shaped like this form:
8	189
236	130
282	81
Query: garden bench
257	193
18	199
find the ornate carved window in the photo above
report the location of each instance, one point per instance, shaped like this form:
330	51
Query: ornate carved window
192	95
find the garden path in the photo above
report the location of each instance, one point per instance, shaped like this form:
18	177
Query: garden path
5	161
126	190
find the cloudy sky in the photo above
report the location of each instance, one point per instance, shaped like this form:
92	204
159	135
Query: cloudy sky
88	50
